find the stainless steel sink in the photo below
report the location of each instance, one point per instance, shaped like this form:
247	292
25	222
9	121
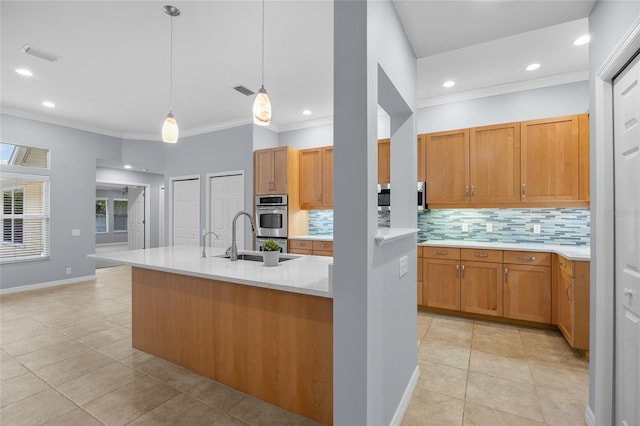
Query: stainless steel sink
256	257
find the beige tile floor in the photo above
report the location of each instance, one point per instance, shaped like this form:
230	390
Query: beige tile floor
66	359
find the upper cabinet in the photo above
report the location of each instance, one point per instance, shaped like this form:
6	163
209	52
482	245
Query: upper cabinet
384	161
316	178
533	163
551	159
270	169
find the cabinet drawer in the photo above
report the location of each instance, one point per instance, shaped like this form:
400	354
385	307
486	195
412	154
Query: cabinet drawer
300	244
300	251
566	265
481	255
322	246
441	253
527	258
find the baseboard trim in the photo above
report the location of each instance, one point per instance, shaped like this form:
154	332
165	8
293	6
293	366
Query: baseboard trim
589	417
31	287
406	398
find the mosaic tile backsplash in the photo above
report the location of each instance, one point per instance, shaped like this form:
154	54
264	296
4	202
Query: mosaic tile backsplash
557	226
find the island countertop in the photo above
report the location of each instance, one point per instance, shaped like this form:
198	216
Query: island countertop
304	274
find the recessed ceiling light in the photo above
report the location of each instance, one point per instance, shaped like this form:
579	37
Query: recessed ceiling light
532	67
306	112
127	166
449	83
25	72
582	40
49	104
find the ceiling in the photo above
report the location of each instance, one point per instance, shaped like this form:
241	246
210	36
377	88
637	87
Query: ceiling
113	75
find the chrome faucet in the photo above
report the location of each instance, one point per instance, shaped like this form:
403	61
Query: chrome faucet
204	253
234	247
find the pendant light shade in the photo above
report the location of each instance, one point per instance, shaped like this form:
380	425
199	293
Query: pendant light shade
262	108
262	104
170	126
170	129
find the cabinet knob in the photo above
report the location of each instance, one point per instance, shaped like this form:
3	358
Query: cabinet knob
564	265
628	292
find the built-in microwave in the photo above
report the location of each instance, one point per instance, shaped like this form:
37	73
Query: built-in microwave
422	196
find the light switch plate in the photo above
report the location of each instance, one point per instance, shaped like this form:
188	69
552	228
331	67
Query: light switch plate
75	232
404	265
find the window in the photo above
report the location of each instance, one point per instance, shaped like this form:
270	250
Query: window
119	215
24	220
102	223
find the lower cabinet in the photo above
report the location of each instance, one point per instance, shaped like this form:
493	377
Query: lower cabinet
571	301
311	247
481	288
419	289
527	293
441	283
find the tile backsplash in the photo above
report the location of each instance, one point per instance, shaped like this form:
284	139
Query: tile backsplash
566	226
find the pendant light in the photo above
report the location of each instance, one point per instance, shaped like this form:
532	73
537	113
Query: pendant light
170	126
262	104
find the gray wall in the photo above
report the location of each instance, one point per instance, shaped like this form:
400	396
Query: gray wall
608	22
111	237
264	138
565	99
128	177
73	155
224	150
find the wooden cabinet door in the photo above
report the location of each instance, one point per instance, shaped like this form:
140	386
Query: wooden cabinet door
481	288
263	171
441	283
384	161
494	164
280	157
447	167
565	305
310	178
527	293
327	177
550	157
422	154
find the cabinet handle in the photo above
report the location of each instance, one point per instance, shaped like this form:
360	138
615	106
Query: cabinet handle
472	192
481	255
524	190
457	270
462	271
527	258
466	192
442	253
568	295
506	275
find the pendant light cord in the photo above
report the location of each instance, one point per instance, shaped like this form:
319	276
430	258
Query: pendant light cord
171	69
262	43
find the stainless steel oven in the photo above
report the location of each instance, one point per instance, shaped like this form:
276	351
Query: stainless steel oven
384	196
271	216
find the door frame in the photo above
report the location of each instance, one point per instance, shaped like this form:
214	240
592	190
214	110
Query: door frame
208	191
170	205
147	205
602	225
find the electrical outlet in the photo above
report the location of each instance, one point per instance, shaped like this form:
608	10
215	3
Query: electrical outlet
465	227
536	228
404	265
68	271
489	227
75	232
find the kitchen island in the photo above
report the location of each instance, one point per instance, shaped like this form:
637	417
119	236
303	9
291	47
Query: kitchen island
266	331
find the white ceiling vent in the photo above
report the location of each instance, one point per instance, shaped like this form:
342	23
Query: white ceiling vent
244	90
40	53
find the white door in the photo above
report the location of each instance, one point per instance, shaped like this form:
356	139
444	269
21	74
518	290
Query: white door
226	198
186	212
135	218
626	109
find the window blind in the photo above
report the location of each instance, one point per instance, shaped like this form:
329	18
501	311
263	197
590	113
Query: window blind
24	217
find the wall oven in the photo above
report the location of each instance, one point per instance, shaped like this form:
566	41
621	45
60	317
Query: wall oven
422	196
271	216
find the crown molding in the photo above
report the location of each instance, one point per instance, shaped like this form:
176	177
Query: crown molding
191	132
306	124
502	89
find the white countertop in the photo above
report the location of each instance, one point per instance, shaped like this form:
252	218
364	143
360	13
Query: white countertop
570	252
313	237
305	274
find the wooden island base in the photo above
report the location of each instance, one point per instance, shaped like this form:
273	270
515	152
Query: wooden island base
274	345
